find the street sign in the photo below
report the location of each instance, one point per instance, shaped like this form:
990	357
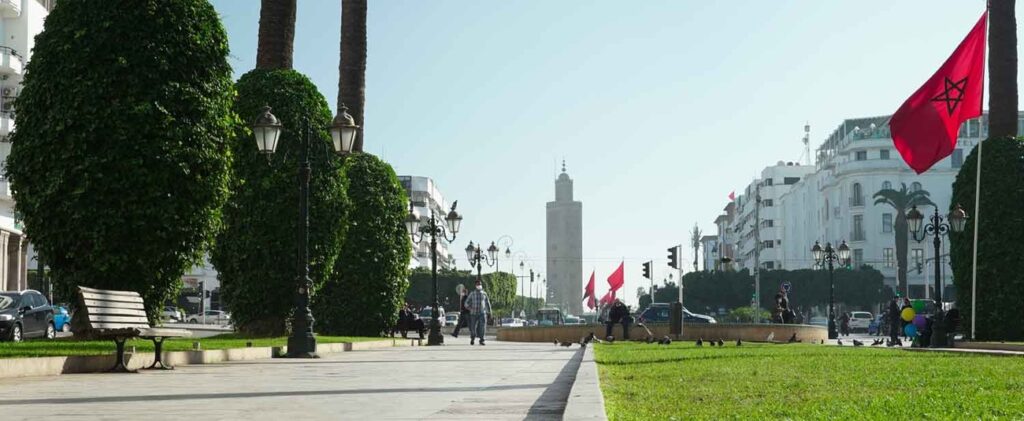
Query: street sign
786	286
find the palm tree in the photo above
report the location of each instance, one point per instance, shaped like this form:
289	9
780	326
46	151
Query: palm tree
902	200
275	45
352	66
1002	68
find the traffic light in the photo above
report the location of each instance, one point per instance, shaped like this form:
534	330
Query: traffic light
531	276
647	270
673	257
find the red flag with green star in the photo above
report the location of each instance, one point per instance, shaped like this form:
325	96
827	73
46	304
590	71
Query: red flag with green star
924	129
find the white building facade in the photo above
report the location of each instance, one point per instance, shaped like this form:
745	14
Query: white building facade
426	200
709	252
757	234
836	202
20	22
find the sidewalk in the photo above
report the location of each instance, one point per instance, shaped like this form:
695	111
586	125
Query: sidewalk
497	381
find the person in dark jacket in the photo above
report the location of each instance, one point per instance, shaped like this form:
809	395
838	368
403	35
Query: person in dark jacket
463	313
619	313
894	320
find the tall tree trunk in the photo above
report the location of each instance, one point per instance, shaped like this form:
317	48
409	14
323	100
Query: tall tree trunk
352	66
902	231
275	46
1002	69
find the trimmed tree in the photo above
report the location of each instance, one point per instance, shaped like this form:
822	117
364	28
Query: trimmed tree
365	292
120	161
256	254
1000	278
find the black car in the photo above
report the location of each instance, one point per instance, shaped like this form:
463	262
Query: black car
659	313
25	314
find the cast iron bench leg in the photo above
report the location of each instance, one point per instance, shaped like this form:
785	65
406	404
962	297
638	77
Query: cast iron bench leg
158	360
119	366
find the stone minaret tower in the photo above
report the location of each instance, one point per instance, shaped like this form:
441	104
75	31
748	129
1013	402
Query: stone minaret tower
565	248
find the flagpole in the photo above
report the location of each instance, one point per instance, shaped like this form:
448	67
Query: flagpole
977	214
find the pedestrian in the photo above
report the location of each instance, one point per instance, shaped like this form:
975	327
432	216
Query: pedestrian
844	324
463	313
903	323
894	320
619	313
479	306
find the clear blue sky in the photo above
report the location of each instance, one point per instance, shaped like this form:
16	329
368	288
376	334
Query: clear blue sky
660	108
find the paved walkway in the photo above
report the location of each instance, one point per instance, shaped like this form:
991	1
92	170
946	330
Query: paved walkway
498	381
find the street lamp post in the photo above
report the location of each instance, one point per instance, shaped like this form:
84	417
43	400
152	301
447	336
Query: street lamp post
937	229
477	258
267	130
434	228
830	256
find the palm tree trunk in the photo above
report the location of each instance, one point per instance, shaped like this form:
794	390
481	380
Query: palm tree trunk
1002	68
275	45
352	66
902	230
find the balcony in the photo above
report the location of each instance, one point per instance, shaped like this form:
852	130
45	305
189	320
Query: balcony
10	8
11	62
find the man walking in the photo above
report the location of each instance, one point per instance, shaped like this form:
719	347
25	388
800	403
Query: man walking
479	306
463	313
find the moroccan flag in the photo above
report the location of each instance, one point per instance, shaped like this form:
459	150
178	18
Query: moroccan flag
732	196
589	293
925	127
608	297
616	279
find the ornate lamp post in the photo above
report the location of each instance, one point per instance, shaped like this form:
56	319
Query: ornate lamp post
830	255
418	233
267	130
477	258
937	229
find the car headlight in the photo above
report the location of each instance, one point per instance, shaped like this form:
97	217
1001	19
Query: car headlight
6	317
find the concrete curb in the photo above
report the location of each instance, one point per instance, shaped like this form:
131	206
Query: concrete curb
53	366
585	399
975	351
989	346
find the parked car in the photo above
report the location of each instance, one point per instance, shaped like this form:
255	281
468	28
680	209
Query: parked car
213	317
61	319
659	313
427	313
25	314
451	319
573	320
819	321
860	320
173	314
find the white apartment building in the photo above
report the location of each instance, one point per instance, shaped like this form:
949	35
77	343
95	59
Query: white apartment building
20	22
835	203
762	230
709	253
427	199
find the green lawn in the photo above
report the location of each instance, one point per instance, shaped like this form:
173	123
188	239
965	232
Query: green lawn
802	381
67	346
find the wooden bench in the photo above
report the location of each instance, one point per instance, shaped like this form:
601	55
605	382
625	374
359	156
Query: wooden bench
120	315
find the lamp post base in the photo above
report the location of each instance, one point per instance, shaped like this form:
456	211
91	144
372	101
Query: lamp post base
938	335
301	347
832	332
435	337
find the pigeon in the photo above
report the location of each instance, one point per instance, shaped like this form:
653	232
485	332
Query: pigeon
566	344
857	343
792	338
771	337
839	342
610	339
721	343
650	340
712	343
700	341
589	338
823	342
556	341
739	342
665	341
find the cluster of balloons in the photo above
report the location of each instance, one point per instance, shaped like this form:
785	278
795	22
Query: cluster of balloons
917	322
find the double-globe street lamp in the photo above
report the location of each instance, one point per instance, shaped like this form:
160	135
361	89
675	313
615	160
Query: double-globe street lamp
476	258
418	233
830	256
267	130
937	229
